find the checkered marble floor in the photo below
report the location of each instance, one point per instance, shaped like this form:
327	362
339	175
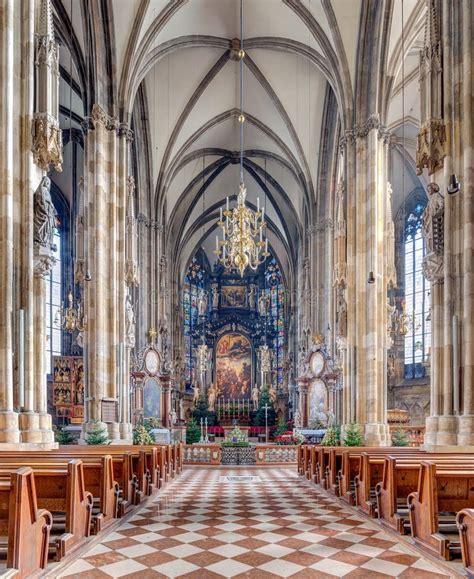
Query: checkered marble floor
204	525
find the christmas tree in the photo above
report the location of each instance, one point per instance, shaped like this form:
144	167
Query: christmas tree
193	432
400	438
142	436
259	419
282	427
332	437
97	434
352	435
63	436
202	411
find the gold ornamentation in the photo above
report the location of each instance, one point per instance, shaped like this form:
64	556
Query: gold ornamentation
71	318
242	245
430	149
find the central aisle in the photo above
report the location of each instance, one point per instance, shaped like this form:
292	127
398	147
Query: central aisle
205	525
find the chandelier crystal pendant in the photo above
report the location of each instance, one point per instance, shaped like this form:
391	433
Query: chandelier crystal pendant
70	318
243	244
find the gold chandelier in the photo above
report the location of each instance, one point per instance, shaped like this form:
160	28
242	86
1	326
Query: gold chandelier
243	244
71	318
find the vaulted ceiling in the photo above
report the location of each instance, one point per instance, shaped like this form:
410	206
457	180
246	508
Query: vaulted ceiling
178	55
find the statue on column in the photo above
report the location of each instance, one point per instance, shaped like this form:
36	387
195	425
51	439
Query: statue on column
45	216
197	392
202	304
255	396
433	234
252	296
302	362
215	296
263	304
341	319
129	323
211	397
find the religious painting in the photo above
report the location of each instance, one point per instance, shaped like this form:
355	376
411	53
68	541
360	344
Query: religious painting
317	400
234	296
234	367
152	399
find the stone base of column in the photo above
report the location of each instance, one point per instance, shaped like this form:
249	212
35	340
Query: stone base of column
377	434
466	430
9	431
46	427
30	428
119	433
447	431
431	432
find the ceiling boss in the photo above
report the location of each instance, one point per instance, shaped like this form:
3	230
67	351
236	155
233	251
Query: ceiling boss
243	244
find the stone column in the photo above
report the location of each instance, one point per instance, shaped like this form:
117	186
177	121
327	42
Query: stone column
166	384
43	263
9	432
105	194
303	384
367	320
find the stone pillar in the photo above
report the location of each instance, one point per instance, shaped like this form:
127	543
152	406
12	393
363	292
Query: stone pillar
105	195
9	432
366	184
166	384
43	263
303	385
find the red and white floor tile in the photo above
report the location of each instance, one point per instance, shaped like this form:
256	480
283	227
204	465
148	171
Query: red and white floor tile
211	523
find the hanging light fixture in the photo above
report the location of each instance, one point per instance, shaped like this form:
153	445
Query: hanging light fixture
243	244
69	317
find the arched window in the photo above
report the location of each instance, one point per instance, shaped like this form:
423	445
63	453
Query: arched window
276	291
417	297
193	284
53	303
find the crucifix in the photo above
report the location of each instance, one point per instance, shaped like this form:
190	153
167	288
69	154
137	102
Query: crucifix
266	408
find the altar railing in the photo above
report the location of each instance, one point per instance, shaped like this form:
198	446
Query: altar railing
202	454
276	454
210	454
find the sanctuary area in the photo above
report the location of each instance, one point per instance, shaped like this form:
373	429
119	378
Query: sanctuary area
237	288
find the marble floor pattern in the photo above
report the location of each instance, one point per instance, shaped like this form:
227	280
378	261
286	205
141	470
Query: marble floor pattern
209	524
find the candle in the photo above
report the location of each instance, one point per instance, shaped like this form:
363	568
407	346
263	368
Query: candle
261	234
217	242
227	204
266	244
221	215
263	214
258	204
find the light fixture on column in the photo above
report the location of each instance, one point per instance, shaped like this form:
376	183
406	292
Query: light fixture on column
243	244
454	185
70	317
371	278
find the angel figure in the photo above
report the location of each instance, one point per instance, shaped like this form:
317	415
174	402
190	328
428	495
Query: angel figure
212	394
255	396
196	393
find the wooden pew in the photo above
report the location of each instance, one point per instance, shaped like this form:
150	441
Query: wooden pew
61	491
465	525
368	491
443	491
98	480
24	526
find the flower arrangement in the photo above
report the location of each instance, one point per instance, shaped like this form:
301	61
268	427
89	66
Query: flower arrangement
290	438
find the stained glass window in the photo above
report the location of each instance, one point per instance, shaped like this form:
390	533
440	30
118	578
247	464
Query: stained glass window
53	303
193	282
276	291
417	297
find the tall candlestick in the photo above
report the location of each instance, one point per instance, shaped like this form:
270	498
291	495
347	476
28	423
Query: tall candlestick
258	204
217	243
227	204
221	215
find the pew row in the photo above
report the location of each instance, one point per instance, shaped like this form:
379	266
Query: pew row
443	491
24	528
60	490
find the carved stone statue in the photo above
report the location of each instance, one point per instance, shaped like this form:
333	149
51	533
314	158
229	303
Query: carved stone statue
197	392
211	397
255	396
272	393
265	355
263	304
302	362
252	296
215	296
202	303
45	215
341	320
297	419
433	234
129	323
